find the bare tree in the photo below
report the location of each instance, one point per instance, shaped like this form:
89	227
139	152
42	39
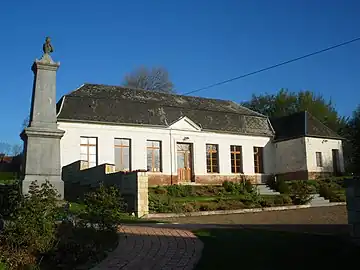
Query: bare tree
5	148
17	149
8	149
155	79
25	123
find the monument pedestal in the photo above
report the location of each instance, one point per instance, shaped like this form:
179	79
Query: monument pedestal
43	157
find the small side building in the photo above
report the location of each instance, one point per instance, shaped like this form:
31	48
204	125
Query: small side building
305	148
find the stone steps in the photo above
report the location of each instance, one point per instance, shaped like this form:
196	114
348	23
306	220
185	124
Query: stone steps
265	190
317	200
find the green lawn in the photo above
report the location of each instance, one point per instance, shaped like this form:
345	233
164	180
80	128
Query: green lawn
262	249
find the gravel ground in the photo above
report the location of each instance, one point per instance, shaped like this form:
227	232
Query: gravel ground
318	215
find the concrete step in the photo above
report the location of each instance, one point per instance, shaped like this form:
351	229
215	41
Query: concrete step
265	190
317	200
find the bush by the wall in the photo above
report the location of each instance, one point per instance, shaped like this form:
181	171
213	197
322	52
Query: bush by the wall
104	207
236	188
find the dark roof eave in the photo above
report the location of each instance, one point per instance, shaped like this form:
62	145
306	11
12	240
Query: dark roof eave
325	137
311	136
158	126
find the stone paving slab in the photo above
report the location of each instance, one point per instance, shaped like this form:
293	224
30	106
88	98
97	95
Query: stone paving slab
158	248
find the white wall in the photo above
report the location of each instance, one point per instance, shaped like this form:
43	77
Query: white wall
324	146
70	146
290	156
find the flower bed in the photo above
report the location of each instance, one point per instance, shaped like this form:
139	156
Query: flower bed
229	196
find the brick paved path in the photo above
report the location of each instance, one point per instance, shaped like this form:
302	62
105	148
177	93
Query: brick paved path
145	247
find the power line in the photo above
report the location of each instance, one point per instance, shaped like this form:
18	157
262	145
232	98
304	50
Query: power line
274	66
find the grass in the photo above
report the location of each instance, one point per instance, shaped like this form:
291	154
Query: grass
263	249
7	181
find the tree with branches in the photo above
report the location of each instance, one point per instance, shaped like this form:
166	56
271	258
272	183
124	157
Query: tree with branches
154	79
285	103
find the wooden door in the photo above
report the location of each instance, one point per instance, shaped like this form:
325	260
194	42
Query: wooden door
184	162
335	157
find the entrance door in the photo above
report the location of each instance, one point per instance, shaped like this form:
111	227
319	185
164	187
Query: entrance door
184	162
335	157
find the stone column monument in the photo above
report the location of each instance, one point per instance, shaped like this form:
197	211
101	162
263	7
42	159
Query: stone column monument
42	137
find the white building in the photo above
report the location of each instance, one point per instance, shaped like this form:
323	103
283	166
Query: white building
181	139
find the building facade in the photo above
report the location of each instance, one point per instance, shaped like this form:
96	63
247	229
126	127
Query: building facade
182	139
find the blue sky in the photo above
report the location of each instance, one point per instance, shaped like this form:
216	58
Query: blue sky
199	42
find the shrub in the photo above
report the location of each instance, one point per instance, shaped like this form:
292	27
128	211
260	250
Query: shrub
282	187
189	207
180	190
250	188
266	202
300	192
330	193
286	199
11	198
158	204
207	207
160	190
105	206
228	186
32	230
242	187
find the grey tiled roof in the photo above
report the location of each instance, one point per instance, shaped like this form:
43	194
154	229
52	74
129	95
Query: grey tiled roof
119	105
299	125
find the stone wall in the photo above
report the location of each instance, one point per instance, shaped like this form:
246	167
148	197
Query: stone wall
353	207
304	175
132	185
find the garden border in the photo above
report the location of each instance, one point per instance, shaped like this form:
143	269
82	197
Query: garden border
238	211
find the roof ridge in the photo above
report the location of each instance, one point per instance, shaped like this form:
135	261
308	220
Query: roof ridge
170	106
143	90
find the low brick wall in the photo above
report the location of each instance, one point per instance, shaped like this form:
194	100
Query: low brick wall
133	186
159	179
353	207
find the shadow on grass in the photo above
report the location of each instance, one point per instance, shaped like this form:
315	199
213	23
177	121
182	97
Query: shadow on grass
79	248
276	247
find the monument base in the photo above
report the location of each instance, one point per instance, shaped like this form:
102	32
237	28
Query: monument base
54	180
42	147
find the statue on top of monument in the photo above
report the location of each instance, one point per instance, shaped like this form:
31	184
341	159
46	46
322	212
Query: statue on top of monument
47	47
